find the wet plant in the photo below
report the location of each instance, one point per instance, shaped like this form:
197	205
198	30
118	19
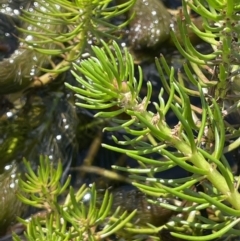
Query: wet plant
207	201
202	137
48	37
79	216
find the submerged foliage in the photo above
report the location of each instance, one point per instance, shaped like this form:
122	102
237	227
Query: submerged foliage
82	21
209	199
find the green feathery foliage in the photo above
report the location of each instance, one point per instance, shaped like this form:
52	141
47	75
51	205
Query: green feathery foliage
198	143
79	216
82	20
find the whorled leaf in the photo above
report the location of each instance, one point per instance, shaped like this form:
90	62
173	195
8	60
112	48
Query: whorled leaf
77	217
99	91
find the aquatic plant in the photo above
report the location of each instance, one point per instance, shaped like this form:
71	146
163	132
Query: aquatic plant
79	217
34	120
206	203
199	141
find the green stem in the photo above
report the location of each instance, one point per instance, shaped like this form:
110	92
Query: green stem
161	131
212	175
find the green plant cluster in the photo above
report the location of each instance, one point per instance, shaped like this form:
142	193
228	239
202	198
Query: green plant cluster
80	215
82	21
198	143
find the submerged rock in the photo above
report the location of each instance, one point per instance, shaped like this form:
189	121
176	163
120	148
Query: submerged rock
130	199
46	124
151	24
34	125
19	64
